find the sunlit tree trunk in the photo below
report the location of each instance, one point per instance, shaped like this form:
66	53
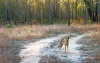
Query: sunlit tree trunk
76	9
84	14
67	4
68	13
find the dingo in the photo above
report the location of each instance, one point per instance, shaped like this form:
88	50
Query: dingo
63	41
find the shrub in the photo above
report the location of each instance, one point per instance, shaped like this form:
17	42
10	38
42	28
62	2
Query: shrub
44	21
8	25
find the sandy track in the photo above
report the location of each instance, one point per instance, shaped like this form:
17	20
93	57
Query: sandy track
34	51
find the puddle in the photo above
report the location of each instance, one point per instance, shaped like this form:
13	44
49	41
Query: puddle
34	51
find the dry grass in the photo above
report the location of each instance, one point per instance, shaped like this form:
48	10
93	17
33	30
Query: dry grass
7	54
9	59
91	43
98	38
4	41
97	54
51	59
93	34
26	31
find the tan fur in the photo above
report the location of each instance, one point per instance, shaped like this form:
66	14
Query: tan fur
65	42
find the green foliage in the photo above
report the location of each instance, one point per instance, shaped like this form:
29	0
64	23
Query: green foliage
44	21
32	30
61	21
89	21
8	26
25	29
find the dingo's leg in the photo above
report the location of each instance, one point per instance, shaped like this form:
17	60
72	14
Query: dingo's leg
65	48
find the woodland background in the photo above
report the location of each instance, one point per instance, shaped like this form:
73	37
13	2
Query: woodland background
17	12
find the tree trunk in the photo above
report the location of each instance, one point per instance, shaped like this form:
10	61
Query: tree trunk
96	11
76	9
93	14
68	13
84	14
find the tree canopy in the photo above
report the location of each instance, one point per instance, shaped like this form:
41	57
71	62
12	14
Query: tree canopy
49	11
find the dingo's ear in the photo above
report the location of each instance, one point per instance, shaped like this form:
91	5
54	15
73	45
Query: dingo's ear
68	37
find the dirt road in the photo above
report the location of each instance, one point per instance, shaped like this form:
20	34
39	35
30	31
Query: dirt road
48	46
